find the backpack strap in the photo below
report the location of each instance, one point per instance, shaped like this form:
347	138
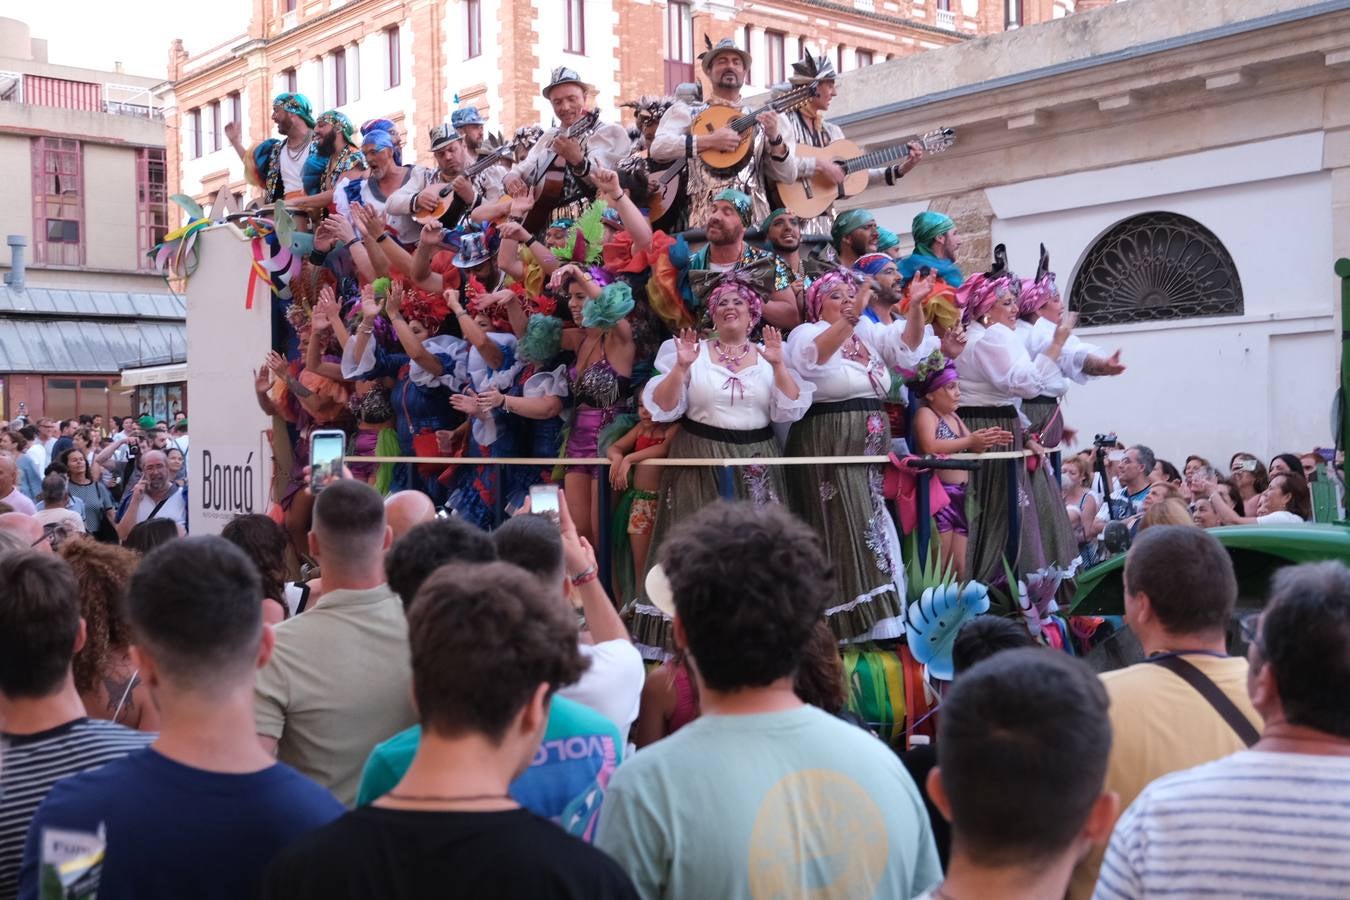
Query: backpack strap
1225	707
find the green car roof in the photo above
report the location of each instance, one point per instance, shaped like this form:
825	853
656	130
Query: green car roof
1257	552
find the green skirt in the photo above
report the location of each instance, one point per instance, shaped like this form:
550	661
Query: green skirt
844	504
987	496
687	489
1057	545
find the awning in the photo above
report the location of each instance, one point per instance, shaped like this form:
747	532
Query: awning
153	375
88	346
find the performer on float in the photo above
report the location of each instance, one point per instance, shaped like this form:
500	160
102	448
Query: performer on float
384	179
394	134
470	125
286	168
1040	313
725	392
996	375
604	145
888	242
421	193
810	129
726	67
854	235
335	137
846	358
935	244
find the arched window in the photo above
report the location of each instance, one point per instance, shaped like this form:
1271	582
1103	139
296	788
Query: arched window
1158	265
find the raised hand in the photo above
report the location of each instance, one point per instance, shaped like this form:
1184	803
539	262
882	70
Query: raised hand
686	348
514	231
514	185
452	301
772	351
262	380
277	363
920	288
370	307
1110	365
393	301
432	233
607	184
1065	327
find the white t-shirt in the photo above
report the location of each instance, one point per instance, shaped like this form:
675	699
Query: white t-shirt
612	685
38	454
174	508
19	503
292	169
1280	517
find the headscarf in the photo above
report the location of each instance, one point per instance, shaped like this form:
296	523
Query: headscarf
940	308
377	140
934	372
341	123
979	294
872	263
815	295
296	105
742	202
767	222
886	239
847	222
1038	291
732	285
385	125
927	227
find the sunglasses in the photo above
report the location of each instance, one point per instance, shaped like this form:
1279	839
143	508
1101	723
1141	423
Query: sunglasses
52	532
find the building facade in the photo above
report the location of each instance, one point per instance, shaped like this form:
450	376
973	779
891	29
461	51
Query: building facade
85	200
1188	168
414	61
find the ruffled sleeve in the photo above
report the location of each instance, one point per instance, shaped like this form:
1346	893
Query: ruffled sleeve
666	360
547	384
1074	356
783	408
889	343
453	355
1001	359
483	377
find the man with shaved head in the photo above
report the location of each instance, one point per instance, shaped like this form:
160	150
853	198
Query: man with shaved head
153	497
405	510
25	529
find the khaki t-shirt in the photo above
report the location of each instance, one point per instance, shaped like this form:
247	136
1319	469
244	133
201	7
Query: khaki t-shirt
339	682
1160	724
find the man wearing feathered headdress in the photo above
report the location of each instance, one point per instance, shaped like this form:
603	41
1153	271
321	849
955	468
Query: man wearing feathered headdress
771	157
811	130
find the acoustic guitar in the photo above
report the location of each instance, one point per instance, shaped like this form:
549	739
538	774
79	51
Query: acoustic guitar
809	198
670	192
445	197
729	162
551	182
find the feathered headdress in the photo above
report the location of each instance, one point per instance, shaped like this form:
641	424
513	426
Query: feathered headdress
811	68
647	109
978	295
1040	290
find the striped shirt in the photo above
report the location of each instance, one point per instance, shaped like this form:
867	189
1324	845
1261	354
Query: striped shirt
1254	824
34	762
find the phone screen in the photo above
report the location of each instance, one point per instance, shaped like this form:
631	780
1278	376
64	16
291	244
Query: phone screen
544	500
326	449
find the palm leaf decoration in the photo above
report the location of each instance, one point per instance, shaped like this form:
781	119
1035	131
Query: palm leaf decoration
931	623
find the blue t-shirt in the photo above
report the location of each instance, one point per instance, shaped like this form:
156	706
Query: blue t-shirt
171	831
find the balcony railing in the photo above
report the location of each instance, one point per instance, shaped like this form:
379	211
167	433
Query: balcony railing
946	19
62	93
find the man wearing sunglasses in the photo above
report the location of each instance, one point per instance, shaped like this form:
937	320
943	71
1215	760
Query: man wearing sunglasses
1270	821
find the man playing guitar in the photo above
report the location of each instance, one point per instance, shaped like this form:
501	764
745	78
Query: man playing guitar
422	192
726	66
470	125
604	145
810	129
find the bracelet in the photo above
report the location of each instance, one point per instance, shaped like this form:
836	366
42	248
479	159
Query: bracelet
383	235
506	407
689	146
776	142
348	245
585	576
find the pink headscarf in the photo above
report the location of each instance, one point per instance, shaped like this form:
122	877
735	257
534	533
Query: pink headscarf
733	285
978	294
815	295
1038	291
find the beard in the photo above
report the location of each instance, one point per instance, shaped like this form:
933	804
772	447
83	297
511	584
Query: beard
328	143
729	80
860	244
721	236
888	296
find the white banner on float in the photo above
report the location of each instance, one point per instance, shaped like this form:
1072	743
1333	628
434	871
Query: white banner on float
230	470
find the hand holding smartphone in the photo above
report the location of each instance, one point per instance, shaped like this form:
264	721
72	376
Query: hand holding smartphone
326	450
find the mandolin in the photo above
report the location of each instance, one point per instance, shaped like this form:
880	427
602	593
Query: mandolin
551	180
729	162
811	197
445	197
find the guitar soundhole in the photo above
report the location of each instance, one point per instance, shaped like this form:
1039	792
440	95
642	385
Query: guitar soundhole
708	127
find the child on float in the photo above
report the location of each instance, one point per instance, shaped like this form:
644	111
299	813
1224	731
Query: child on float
648	439
938	430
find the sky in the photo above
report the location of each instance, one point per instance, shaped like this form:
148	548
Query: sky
88	33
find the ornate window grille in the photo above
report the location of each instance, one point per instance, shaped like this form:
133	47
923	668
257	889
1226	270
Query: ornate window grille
1156	266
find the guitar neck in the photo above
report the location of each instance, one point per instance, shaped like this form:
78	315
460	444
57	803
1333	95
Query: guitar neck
782	104
883	157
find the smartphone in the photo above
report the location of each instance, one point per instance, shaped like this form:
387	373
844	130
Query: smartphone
1247	465
1116	456
326	449
544	501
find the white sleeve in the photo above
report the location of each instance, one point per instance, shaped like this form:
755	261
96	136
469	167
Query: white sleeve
489	183
400	202
1074	356
607	145
353	368
801	352
1001	358
889	343
612	684
546	384
782	169
484	378
666	360
452	369
342	205
669	143
783	408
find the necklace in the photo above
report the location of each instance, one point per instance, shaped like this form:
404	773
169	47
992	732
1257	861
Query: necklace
854	349
432	798
724	354
295	156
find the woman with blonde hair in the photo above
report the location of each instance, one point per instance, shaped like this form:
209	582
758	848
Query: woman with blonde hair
1171	511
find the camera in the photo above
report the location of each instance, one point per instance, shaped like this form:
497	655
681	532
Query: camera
1105	440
